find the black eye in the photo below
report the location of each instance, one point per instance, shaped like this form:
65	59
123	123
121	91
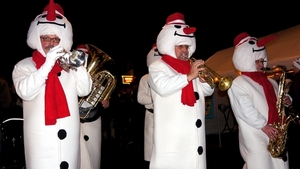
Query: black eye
251	42
57	16
177	26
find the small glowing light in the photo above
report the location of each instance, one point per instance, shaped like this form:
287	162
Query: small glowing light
127	79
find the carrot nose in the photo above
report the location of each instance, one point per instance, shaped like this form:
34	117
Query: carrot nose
189	30
264	41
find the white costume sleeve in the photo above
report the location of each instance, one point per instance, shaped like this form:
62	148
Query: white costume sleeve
243	107
206	89
144	95
27	81
164	80
83	79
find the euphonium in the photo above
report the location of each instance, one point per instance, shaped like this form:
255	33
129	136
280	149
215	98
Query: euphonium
211	77
277	147
104	84
72	60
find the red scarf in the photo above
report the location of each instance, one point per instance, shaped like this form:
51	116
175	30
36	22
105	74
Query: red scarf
262	79
187	97
56	105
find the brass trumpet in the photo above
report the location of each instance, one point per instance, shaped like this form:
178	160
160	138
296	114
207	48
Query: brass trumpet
211	77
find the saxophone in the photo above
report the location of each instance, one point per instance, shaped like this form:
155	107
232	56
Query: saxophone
277	147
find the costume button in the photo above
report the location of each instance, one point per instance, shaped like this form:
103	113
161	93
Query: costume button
196	95
200	150
198	123
64	165
86	138
62	134
59	73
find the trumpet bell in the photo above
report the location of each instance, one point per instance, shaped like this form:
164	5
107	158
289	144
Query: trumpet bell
225	83
211	77
77	58
72	60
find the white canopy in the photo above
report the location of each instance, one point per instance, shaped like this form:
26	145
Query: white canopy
281	51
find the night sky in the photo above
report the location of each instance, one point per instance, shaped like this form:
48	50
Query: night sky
126	30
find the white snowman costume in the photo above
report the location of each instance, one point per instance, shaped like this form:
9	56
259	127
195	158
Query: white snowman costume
179	129
249	104
144	98
56	145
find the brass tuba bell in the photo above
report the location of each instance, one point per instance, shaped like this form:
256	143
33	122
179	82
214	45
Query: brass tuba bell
211	77
98	59
104	84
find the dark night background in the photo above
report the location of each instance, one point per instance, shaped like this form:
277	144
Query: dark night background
126	30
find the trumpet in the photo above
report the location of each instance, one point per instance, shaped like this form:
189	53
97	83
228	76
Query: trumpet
211	77
71	60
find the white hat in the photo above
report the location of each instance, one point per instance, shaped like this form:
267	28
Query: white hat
153	55
51	24
296	63
83	48
249	49
176	32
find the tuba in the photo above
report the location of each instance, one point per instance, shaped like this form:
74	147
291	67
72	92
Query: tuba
211	77
104	84
277	147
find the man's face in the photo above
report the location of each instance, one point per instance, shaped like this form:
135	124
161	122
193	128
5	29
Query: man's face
182	52
259	64
48	42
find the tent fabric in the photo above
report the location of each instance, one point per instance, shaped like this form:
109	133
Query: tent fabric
281	51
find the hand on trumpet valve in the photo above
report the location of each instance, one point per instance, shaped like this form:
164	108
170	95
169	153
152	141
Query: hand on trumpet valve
196	67
55	52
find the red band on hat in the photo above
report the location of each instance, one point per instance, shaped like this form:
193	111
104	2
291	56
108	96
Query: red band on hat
239	37
175	16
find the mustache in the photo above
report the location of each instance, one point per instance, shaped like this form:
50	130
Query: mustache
184	54
49	47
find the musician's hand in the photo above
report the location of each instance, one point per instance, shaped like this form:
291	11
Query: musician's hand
287	101
202	80
105	103
51	57
195	69
53	54
270	131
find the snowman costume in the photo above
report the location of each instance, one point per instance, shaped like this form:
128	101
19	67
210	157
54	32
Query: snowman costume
252	106
179	127
50	96
144	98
